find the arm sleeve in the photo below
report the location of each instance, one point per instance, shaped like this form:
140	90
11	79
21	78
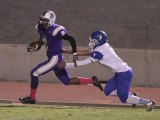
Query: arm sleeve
72	42
84	62
79	63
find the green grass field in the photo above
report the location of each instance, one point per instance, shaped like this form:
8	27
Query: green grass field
43	112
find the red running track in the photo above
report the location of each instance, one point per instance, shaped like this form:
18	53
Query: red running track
50	92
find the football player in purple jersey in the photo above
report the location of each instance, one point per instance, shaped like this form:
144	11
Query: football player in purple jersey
51	36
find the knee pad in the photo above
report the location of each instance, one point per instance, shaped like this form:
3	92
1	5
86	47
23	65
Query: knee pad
34	73
66	83
107	92
123	98
64	80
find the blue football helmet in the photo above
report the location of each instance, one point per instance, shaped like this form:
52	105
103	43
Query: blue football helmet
97	38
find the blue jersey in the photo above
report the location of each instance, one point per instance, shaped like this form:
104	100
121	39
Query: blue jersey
52	38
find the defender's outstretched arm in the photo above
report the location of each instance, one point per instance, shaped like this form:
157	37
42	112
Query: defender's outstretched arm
80	52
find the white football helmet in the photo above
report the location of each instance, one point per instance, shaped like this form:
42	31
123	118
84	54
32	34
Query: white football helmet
47	18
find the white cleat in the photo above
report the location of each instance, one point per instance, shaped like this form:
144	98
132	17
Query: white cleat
150	105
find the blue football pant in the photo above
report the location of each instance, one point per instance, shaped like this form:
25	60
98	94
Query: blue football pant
120	81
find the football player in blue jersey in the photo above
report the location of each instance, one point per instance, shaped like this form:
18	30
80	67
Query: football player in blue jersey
51	35
100	51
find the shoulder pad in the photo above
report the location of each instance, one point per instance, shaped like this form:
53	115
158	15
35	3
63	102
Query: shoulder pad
96	55
59	30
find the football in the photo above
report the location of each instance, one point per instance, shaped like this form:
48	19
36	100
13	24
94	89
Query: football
34	46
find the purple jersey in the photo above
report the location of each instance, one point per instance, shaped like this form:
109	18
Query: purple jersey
53	38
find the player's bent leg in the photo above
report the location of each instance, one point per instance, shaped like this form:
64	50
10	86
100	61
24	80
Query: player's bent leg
123	98
111	85
81	80
62	75
123	85
64	80
123	90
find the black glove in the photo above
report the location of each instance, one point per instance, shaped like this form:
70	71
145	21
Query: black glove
75	57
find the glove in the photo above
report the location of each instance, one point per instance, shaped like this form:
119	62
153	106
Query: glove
75	57
34	46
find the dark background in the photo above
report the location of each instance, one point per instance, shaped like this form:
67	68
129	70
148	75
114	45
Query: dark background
133	24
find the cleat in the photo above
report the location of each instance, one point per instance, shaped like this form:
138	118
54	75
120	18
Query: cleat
134	94
27	100
150	105
97	83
